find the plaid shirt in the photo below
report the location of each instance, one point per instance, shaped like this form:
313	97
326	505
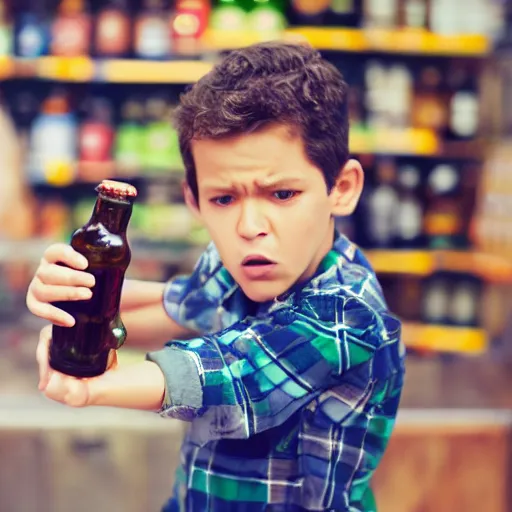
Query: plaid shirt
291	402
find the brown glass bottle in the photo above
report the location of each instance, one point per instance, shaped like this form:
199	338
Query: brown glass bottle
84	349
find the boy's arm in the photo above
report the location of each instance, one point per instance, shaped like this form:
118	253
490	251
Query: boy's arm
246	379
150	327
138	294
185	306
251	378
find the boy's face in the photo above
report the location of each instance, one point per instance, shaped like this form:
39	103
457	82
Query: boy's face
267	209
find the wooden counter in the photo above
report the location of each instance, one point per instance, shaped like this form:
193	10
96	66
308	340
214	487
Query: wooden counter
447	461
51	456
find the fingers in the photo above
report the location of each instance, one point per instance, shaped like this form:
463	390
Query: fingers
112	362
49	273
42	356
53	293
51	313
55	385
56	283
62	253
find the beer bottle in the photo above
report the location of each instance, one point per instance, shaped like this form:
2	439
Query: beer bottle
84	349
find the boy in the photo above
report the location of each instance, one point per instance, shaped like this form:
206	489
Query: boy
293	367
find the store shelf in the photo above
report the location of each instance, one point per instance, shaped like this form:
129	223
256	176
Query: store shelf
419	263
423	263
442	338
84	69
355	40
176	72
412	141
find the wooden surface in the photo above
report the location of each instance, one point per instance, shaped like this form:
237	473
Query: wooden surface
446	469
86	470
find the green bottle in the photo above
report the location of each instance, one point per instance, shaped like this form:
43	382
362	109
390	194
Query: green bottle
6	36
129	143
161	148
229	15
267	17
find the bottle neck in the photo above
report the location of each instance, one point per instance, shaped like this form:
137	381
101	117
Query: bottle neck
112	213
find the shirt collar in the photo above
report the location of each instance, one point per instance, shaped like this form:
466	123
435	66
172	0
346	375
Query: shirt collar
327	272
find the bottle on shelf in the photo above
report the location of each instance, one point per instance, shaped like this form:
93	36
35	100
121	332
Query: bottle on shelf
430	101
152	34
267	17
375	95
435	303
308	12
345	13
5	30
380	206
381	14
414	14
229	15
71	30
464	103
445	17
85	350
53	141
129	146
53	219
464	301
113	30
24	107
443	221
32	31
96	138
399	96
409	212
161	139
188	24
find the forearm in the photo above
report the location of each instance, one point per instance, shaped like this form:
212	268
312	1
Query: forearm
150	327
138	294
137	386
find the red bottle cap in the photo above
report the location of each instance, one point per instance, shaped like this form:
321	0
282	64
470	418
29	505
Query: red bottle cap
117	189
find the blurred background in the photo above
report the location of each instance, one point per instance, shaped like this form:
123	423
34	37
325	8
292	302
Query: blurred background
86	92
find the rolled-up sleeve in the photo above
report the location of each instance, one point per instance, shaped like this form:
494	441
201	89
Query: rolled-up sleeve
254	375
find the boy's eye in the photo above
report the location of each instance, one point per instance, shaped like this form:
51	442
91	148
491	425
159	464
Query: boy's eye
222	200
284	195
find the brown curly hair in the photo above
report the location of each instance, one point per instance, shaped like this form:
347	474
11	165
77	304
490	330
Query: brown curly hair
267	83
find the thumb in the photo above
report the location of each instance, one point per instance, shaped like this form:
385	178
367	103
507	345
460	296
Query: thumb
42	351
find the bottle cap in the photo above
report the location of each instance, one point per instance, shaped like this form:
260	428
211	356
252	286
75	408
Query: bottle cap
117	189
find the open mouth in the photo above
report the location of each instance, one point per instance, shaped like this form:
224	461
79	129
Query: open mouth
256	261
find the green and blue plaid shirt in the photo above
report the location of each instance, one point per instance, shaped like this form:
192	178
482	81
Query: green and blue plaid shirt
291	402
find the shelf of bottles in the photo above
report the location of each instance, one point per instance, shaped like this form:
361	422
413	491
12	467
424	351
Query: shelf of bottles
91	87
163	29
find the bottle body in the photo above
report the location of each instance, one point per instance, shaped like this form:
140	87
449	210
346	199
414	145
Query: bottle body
84	349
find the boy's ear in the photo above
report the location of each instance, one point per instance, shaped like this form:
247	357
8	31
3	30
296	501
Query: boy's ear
348	188
190	200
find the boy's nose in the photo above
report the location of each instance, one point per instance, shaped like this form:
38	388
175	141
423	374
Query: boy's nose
252	222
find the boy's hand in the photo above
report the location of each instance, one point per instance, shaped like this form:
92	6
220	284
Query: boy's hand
53	283
57	386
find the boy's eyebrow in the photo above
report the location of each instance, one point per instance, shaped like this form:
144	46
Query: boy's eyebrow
216	187
263	184
279	182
